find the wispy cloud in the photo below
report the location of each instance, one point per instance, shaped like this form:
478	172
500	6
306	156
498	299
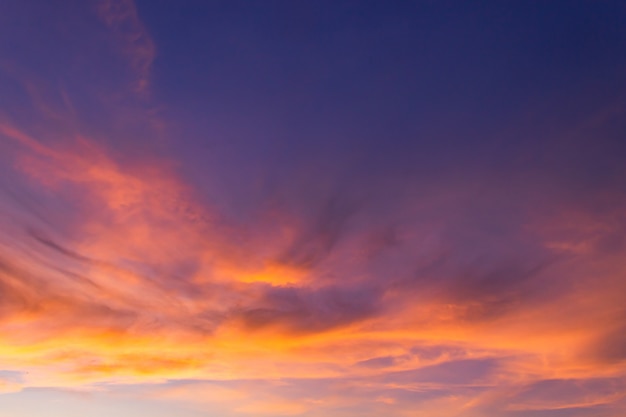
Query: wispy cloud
133	38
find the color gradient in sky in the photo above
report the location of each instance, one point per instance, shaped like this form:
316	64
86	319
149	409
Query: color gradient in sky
238	208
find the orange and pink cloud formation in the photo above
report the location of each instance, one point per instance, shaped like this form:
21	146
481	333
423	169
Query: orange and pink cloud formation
194	222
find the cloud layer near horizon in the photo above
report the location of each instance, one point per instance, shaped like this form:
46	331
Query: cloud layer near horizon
474	286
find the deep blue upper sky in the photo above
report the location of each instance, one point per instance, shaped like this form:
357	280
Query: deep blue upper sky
353	89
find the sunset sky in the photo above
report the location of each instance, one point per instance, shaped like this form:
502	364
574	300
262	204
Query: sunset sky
312	208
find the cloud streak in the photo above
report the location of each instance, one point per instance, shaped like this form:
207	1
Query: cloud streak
122	19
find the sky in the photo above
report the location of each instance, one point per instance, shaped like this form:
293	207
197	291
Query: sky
229	208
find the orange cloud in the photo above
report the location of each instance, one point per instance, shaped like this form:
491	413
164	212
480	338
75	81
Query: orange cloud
323	313
148	290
